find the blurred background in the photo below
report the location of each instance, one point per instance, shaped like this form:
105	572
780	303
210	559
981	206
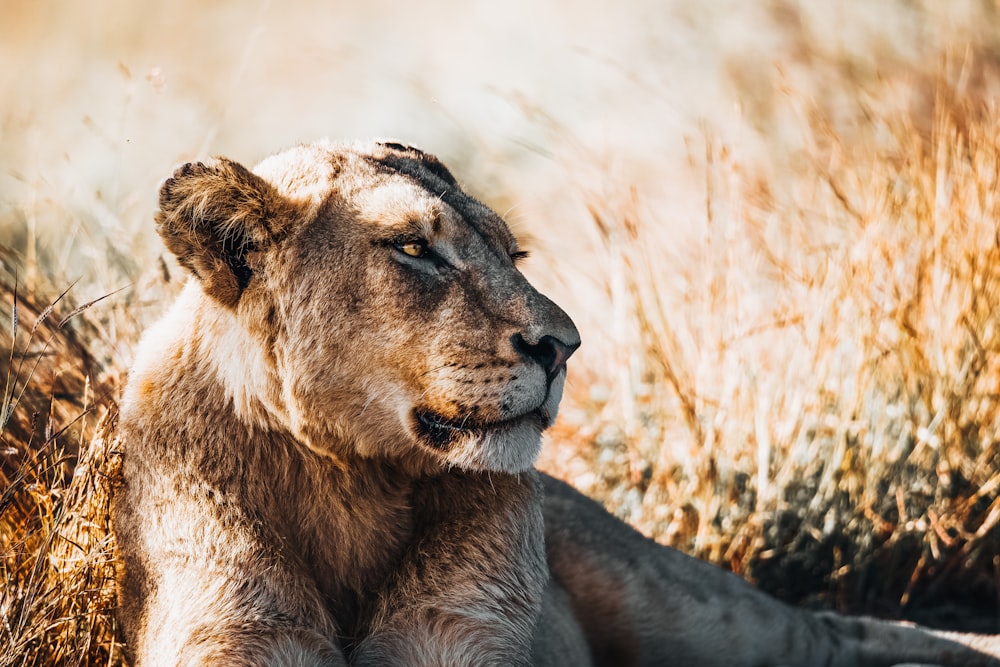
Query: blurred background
534	103
774	223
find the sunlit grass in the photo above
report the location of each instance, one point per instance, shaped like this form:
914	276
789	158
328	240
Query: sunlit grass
817	407
56	474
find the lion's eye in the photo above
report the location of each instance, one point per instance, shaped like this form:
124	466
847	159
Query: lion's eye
412	248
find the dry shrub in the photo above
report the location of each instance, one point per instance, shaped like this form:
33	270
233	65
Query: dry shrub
56	472
816	404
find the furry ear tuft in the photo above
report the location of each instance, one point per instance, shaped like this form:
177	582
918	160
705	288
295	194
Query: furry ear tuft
212	217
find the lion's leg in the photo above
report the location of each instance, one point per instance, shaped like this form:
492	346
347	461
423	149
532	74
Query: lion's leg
469	590
642	604
252	646
228	620
877	642
201	587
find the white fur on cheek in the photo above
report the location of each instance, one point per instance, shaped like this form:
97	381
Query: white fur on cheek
169	332
199	327
240	363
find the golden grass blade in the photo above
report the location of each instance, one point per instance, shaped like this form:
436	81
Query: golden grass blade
79	309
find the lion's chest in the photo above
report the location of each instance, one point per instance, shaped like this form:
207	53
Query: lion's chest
353	538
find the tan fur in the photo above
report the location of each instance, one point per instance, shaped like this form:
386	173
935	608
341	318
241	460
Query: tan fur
329	446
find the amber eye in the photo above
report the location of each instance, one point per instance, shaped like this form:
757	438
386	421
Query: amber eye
412	248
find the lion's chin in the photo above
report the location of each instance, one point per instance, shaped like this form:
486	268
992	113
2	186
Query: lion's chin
508	446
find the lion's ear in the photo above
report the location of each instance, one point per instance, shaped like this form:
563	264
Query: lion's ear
212	217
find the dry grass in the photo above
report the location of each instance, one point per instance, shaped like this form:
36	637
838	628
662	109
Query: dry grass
785	266
818	408
56	467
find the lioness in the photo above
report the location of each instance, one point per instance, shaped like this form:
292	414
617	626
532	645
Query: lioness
329	444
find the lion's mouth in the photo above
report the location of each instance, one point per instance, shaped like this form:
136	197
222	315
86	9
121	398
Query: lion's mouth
440	432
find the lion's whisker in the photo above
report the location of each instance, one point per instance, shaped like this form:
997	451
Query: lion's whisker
435	370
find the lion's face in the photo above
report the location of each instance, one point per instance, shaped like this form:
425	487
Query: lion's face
386	301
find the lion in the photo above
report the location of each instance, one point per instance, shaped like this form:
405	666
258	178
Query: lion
329	443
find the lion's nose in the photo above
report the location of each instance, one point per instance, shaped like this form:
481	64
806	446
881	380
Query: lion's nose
549	352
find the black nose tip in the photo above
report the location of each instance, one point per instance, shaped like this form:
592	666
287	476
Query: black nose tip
549	352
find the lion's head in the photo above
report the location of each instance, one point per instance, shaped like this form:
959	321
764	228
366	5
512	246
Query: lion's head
380	308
